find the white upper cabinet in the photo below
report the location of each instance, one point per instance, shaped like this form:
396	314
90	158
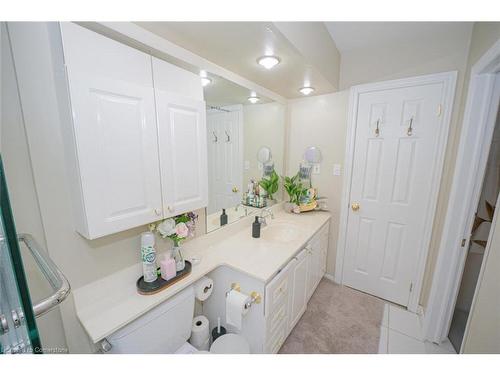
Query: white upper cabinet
182	135
130	160
114	131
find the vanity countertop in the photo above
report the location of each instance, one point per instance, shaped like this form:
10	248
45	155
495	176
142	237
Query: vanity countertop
108	304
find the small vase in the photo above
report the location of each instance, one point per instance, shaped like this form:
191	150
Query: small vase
177	255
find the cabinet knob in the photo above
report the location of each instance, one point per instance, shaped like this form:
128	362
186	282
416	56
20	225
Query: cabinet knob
355	206
234	189
170	208
157	211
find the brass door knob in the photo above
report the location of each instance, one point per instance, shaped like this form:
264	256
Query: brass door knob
355	206
235	189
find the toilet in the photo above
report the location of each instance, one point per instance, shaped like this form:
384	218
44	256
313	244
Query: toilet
166	329
230	343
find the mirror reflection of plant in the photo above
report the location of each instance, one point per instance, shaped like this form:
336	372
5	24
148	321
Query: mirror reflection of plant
294	188
270	185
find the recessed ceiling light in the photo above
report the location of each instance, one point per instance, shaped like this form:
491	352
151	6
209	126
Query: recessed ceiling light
306	90
268	62
253	99
205	81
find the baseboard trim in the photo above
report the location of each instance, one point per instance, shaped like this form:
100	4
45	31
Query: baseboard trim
329	277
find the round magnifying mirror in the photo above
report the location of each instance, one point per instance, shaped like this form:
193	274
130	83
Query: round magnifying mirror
313	155
264	155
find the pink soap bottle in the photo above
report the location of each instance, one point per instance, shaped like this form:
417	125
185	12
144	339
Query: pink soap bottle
167	267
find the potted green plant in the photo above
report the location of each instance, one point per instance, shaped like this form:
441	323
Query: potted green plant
270	185
295	190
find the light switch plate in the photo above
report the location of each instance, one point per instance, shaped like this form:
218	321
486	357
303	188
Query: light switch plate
337	169
316	169
247	165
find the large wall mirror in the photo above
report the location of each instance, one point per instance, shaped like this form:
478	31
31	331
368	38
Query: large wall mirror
246	140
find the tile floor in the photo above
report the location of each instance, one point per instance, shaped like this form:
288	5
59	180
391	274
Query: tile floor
401	333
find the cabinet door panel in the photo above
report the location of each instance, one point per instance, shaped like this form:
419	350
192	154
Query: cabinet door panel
183	152
112	144
311	271
299	289
117	152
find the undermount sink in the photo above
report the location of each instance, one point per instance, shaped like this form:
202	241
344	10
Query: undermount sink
281	232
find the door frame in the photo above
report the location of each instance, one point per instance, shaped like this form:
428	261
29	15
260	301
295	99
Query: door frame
448	80
472	156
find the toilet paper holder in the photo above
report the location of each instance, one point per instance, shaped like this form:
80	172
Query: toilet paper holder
254	296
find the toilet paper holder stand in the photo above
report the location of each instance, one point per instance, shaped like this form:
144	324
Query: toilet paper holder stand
254	296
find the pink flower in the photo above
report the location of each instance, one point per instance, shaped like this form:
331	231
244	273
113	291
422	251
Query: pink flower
181	230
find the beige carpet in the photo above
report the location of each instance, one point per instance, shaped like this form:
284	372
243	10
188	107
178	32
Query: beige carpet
337	320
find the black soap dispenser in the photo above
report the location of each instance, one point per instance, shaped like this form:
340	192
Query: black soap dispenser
256	228
223	217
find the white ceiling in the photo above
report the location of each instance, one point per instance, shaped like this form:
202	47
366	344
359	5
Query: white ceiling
236	47
353	36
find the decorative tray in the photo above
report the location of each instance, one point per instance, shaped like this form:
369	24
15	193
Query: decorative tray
308	207
160	284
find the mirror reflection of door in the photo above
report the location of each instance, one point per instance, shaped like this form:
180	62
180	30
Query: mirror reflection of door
225	156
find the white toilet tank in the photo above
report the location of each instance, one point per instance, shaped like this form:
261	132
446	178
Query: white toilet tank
161	330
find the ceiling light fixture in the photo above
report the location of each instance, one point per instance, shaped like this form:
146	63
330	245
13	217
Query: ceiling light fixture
253	99
268	62
306	90
205	81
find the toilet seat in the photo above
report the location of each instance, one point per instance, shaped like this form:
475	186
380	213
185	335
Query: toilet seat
230	343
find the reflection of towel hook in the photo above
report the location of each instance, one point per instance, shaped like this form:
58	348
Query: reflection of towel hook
410	128
228	139
377	130
215	137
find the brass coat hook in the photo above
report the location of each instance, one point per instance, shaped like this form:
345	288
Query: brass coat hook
377	130
410	128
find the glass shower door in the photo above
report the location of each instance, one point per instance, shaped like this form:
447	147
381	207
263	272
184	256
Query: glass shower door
18	330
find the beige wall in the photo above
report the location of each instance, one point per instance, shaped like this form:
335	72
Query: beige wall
321	121
263	125
445	52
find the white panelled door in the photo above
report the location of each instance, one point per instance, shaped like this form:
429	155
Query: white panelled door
225	148
396	145
183	152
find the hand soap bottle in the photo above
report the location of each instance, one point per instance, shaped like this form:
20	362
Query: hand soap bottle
256	228
223	217
167	267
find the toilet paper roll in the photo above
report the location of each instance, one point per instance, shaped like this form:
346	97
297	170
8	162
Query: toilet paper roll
235	308
203	288
200	333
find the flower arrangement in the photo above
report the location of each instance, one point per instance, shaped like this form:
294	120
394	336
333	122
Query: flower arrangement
177	228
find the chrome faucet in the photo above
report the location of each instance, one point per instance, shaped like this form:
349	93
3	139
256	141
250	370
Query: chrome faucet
236	208
265	213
